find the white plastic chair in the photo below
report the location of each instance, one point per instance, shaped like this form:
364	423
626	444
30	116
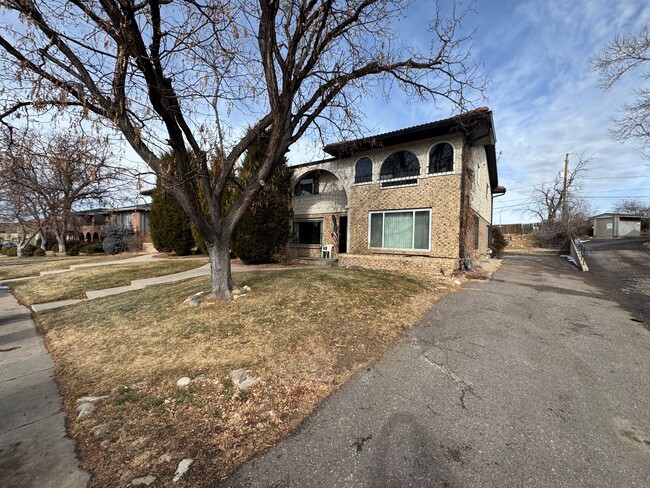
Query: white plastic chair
326	251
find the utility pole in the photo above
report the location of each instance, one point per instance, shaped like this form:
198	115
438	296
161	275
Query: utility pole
565	213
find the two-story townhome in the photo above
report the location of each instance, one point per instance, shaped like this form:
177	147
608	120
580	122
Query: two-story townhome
417	199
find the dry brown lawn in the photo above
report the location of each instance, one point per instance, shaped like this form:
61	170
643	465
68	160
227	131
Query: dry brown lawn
74	284
14	267
303	331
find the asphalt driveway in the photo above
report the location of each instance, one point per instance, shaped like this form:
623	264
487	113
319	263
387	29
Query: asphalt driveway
622	267
537	378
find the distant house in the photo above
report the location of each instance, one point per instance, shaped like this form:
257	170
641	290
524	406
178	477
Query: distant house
91	223
417	199
617	225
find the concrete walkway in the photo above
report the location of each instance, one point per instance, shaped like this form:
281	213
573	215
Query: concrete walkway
34	449
147	282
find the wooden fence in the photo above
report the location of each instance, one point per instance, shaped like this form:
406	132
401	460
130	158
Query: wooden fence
518	229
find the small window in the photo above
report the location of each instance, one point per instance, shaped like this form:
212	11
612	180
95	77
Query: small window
441	158
400	229
307	185
400	168
363	171
307	231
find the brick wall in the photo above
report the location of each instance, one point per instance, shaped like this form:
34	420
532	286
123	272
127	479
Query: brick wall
439	193
480	199
417	265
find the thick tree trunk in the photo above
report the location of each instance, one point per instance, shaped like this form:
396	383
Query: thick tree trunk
19	249
43	240
220	274
61	241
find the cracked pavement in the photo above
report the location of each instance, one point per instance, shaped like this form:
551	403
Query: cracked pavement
536	378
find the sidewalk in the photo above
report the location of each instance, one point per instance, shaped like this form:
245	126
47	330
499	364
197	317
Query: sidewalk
34	449
147	282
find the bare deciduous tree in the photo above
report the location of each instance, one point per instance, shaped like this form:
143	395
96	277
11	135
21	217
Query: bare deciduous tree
46	177
16	207
186	76
559	218
620	56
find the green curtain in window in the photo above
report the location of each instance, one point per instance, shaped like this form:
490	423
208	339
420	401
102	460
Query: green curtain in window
398	230
421	234
376	229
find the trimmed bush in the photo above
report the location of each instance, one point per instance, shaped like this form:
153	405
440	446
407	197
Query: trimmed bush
92	248
499	242
28	250
39	252
73	244
10	251
117	239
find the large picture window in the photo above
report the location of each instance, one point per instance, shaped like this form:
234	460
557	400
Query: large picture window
400	229
307	231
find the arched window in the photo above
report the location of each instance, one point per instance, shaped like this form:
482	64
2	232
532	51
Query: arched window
363	171
441	158
307	185
402	166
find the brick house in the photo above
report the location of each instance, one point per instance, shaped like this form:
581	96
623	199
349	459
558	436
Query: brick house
417	199
89	224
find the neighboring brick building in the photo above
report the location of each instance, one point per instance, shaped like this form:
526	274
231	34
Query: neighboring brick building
419	198
90	224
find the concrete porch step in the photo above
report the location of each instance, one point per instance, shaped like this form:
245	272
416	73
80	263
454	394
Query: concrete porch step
323	263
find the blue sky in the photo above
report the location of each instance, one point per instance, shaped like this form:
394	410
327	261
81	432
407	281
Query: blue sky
545	98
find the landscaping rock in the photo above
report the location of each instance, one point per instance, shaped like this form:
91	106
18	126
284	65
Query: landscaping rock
237	376
456	282
165	458
184	381
246	288
104	443
90	399
145	480
235	292
183	466
85	409
248	382
97	432
194	300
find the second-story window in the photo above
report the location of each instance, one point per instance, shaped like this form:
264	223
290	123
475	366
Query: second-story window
307	185
363	171
400	168
441	158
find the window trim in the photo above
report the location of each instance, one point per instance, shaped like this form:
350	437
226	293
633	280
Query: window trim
297	221
453	159
372	164
401	210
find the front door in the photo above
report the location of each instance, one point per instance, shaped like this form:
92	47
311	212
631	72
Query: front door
343	234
